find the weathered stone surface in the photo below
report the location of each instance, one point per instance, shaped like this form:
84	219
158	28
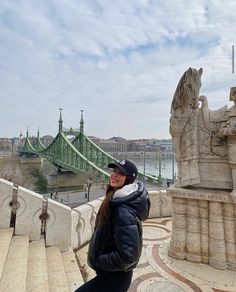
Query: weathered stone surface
160	204
6	192
28	212
204	140
58	225
84	227
75	218
95	206
205	232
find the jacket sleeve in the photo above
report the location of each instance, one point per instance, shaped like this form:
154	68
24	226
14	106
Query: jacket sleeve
127	245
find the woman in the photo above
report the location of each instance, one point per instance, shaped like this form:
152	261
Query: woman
116	244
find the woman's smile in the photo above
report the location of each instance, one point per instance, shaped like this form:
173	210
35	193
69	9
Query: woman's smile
117	179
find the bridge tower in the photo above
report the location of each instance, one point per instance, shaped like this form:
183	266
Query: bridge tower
82	122
81	136
60	120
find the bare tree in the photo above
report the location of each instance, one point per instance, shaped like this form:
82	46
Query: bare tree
10	170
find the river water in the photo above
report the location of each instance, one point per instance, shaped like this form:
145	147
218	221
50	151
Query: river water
151	163
34	175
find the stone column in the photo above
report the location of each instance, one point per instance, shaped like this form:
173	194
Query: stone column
217	251
204	230
178	239
229	227
193	240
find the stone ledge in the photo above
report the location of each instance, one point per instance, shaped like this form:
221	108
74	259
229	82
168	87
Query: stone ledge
200	194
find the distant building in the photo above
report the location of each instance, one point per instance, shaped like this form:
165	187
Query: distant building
5	144
46	140
119	144
94	139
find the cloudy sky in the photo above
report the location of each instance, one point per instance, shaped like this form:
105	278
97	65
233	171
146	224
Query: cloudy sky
119	60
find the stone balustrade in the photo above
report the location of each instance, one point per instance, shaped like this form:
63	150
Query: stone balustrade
59	224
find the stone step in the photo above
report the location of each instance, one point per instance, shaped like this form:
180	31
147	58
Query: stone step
37	274
15	270
73	274
56	272
5	241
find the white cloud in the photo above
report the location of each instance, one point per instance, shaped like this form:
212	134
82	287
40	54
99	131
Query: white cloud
118	60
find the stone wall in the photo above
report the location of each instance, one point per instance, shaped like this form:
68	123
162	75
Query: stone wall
29	213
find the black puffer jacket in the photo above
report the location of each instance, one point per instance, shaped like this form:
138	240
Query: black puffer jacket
117	246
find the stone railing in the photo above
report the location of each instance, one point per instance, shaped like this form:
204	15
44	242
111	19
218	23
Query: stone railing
83	217
29	213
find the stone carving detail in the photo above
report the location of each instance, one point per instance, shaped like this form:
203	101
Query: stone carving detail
204	195
203	229
199	136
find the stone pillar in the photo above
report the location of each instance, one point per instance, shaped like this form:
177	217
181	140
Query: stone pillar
217	255
230	240
178	240
193	240
204	230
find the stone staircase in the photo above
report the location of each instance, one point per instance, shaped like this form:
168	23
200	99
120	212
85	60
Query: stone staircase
25	263
30	266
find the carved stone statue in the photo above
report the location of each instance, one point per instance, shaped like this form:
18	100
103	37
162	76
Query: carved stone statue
228	130
204	195
197	133
183	129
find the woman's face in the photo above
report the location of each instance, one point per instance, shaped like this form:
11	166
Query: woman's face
117	179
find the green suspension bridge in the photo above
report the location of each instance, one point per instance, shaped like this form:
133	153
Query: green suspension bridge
79	155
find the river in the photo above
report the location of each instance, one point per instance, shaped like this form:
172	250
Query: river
151	163
34	175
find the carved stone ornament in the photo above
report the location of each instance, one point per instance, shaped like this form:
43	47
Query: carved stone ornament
202	137
204	195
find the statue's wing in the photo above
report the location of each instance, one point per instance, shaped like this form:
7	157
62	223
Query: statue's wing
217	116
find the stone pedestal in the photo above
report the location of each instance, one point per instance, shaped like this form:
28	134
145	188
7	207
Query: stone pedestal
63	179
31	160
203	227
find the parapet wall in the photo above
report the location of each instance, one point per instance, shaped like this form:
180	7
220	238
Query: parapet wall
29	213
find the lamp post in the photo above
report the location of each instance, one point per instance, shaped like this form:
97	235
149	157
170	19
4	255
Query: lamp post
159	162
144	164
89	184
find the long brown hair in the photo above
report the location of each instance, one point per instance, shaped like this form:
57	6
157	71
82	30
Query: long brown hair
104	211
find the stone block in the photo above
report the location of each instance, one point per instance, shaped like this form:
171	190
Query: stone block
177	247
58	225
192	208
28	212
204	226
216	211
179	221
178	205
83	227
205	248
193	225
217	253
160	204
193	247
166	207
95	205
6	193
75	217
203	209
